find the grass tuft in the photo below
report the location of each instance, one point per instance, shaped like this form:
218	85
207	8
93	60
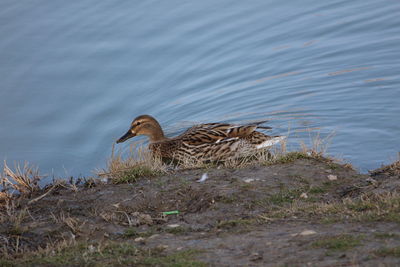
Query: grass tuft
367	208
139	164
234	223
338	243
288	158
103	254
391	169
24	179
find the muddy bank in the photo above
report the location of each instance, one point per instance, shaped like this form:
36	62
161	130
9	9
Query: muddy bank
299	211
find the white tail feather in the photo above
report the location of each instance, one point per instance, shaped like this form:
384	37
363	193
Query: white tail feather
270	142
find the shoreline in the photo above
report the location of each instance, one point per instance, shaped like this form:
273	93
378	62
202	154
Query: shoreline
298	210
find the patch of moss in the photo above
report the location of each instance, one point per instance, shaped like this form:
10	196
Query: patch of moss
234	223
227	199
288	157
334	166
338	243
6	263
386	235
330	220
388	252
318	190
109	254
131	232
176	230
132	175
285	196
360	206
179	259
368	208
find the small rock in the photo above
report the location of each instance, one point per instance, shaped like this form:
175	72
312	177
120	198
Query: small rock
255	256
332	177
308	232
145	219
139	239
91	248
173	225
248	180
154	236
304	195
179	248
116	205
162	247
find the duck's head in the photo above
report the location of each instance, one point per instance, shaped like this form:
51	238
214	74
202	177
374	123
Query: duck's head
144	125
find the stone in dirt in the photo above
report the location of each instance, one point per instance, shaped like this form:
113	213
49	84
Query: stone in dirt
332	177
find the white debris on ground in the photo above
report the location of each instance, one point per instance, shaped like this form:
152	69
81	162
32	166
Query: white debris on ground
332	177
308	232
203	178
173	225
304	195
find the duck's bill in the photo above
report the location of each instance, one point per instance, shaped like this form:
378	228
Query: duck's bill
126	136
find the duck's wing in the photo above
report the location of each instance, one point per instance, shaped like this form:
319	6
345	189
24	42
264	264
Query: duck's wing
217	132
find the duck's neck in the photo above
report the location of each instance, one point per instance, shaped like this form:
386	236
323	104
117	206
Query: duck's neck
156	134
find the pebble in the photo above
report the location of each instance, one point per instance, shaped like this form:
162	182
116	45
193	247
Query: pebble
308	232
304	195
173	225
248	180
162	247
255	256
332	177
139	239
154	236
91	248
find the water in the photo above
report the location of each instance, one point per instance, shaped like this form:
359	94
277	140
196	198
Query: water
74	74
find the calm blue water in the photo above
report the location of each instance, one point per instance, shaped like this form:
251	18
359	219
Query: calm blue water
74	74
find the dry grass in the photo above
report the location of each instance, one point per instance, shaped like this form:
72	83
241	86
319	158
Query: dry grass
391	169
141	163
24	179
318	145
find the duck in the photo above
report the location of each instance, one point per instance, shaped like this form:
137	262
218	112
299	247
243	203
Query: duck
216	142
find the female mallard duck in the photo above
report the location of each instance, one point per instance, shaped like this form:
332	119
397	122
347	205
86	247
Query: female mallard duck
205	142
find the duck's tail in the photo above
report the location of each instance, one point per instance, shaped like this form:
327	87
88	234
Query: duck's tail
270	142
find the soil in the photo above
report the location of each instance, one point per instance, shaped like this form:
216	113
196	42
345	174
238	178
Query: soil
237	217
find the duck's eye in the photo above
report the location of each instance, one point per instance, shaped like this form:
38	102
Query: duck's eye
138	123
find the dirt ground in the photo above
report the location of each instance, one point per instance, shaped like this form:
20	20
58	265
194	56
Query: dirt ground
305	212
